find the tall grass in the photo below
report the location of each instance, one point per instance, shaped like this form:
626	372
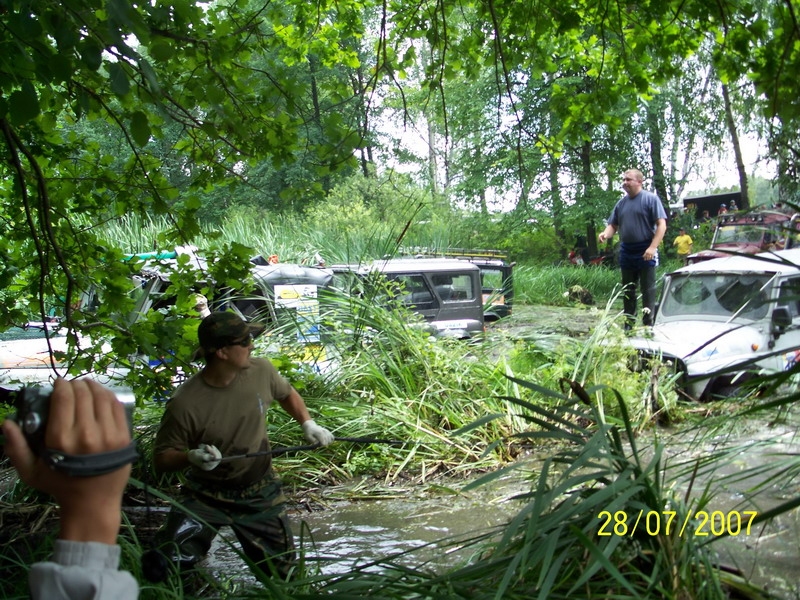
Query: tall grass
549	284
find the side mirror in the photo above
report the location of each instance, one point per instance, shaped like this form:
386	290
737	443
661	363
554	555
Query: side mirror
781	318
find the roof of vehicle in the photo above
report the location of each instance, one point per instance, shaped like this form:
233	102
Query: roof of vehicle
289	273
779	261
476	255
161	264
754	217
411	265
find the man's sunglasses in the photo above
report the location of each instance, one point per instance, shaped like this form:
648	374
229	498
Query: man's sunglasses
244	341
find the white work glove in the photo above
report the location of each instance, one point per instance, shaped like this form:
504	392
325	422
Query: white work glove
316	434
205	457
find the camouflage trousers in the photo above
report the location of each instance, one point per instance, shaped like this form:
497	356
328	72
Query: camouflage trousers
255	514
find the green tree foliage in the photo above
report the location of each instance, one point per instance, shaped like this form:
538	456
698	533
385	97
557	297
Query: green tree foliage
193	94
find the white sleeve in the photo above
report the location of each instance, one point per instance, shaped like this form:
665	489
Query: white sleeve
87	570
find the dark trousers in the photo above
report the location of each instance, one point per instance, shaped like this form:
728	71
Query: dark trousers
258	521
645	278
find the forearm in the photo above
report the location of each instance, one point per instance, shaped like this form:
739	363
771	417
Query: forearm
607	233
91	522
170	460
658	236
295	406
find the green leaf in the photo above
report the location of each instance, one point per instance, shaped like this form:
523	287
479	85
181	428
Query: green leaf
23	105
160	49
140	128
120	84
91	54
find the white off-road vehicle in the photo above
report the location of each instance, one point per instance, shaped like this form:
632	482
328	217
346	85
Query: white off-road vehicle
720	322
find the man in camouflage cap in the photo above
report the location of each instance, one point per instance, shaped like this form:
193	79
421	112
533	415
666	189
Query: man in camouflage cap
221	411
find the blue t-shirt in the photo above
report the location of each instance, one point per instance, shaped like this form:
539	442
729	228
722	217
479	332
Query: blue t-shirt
635	218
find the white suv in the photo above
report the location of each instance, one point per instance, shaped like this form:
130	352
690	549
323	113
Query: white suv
722	321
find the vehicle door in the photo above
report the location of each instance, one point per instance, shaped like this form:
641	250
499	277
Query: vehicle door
460	299
787	340
416	293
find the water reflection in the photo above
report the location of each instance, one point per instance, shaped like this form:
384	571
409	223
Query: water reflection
410	528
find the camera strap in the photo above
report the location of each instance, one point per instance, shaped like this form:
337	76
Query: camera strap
89	465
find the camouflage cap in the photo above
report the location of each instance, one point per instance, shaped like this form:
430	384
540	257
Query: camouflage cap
220	329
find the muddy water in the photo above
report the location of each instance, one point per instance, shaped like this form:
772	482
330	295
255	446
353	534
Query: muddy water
424	528
753	477
420	530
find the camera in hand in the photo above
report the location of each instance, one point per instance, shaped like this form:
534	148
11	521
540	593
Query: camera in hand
32	404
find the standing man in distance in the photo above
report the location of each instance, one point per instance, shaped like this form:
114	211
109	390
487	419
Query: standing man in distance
221	411
641	221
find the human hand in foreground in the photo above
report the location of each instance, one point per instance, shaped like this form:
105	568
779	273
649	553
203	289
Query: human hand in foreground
84	418
315	434
205	456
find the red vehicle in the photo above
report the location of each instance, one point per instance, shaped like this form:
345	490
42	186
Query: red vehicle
750	233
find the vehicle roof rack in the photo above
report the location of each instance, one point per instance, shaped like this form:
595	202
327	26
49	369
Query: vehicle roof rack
452	252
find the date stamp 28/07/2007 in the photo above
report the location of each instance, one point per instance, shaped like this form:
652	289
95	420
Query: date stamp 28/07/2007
699	523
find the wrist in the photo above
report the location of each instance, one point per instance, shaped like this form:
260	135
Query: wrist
82	523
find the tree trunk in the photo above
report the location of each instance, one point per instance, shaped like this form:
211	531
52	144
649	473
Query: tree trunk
737	149
557	205
587	187
654	110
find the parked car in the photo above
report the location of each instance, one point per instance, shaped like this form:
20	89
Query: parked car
720	322
33	355
497	275
446	292
751	232
284	296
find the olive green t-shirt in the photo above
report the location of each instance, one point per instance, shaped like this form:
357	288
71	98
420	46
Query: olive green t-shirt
232	418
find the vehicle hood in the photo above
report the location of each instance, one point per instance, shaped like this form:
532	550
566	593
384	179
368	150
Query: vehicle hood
33	353
722	250
698	341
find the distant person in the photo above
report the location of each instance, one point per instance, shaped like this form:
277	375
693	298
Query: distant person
684	245
723	208
273	259
706	217
641	221
85	418
221	412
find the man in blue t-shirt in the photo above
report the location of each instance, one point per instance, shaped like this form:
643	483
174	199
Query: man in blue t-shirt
641	221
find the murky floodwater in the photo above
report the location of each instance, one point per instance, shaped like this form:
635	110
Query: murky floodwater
426	530
756	475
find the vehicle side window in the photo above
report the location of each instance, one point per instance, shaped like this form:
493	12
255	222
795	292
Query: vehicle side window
253	308
790	296
491	278
415	291
453	288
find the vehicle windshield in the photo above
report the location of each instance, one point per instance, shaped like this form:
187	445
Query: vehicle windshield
741	234
716	294
31	331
